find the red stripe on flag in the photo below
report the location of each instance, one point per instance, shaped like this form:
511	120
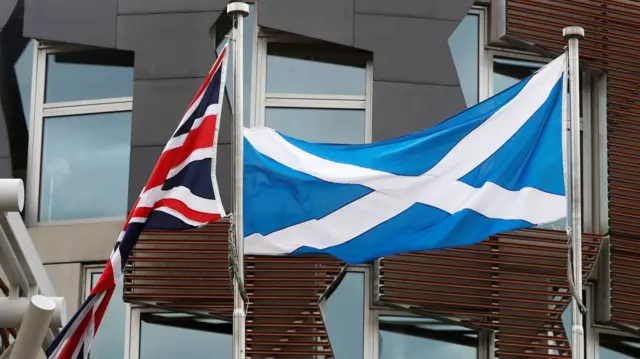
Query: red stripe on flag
180	207
106	280
202	137
102	308
72	344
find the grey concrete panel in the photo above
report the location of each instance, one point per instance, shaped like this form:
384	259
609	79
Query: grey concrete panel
6	9
159	107
169	45
408	49
65	278
401	108
432	9
143	160
328	20
77	242
86	22
168	6
5	167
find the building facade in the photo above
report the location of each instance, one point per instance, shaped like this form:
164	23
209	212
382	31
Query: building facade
90	92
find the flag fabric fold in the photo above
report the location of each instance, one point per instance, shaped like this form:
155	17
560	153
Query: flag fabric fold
495	167
181	193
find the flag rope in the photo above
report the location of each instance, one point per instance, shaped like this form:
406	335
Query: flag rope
233	261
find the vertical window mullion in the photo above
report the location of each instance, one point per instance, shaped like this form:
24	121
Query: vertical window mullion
35	142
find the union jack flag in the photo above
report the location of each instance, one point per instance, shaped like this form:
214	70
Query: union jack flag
182	193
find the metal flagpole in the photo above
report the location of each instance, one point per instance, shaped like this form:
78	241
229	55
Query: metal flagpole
238	10
573	35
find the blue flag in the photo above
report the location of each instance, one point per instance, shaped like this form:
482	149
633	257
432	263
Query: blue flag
495	167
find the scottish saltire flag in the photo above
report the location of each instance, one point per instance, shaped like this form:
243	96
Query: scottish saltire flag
182	193
495	167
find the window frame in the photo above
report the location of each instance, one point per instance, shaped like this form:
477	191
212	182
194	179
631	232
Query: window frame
593	330
368	351
261	99
485	337
39	112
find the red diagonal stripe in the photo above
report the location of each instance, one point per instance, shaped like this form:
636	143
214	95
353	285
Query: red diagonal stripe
105	282
72	344
178	206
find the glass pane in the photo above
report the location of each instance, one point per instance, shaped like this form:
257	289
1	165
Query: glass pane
411	338
303	69
164	338
109	341
567	321
247	59
507	72
318	125
618	347
88	75
85	166
464	45
344	317
24	70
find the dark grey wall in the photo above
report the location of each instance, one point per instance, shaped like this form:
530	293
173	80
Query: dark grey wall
7	78
415	82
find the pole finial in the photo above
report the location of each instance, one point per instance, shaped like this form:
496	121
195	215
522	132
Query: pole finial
239	8
573	31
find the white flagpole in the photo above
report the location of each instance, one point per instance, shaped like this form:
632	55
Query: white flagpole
573	35
238	10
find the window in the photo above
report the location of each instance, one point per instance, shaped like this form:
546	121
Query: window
603	341
465	44
163	335
344	316
618	347
24	73
80	139
109	341
308	90
403	337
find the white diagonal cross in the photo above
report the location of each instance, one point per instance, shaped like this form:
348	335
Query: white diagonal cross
439	187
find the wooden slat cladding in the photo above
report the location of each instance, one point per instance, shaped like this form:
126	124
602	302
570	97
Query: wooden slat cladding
514	284
187	271
612	37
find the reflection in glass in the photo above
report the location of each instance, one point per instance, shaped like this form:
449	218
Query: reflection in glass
24	70
411	338
344	317
85	166
88	75
567	321
312	70
507	72
247	58
170	336
318	125
464	45
109	341
618	347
